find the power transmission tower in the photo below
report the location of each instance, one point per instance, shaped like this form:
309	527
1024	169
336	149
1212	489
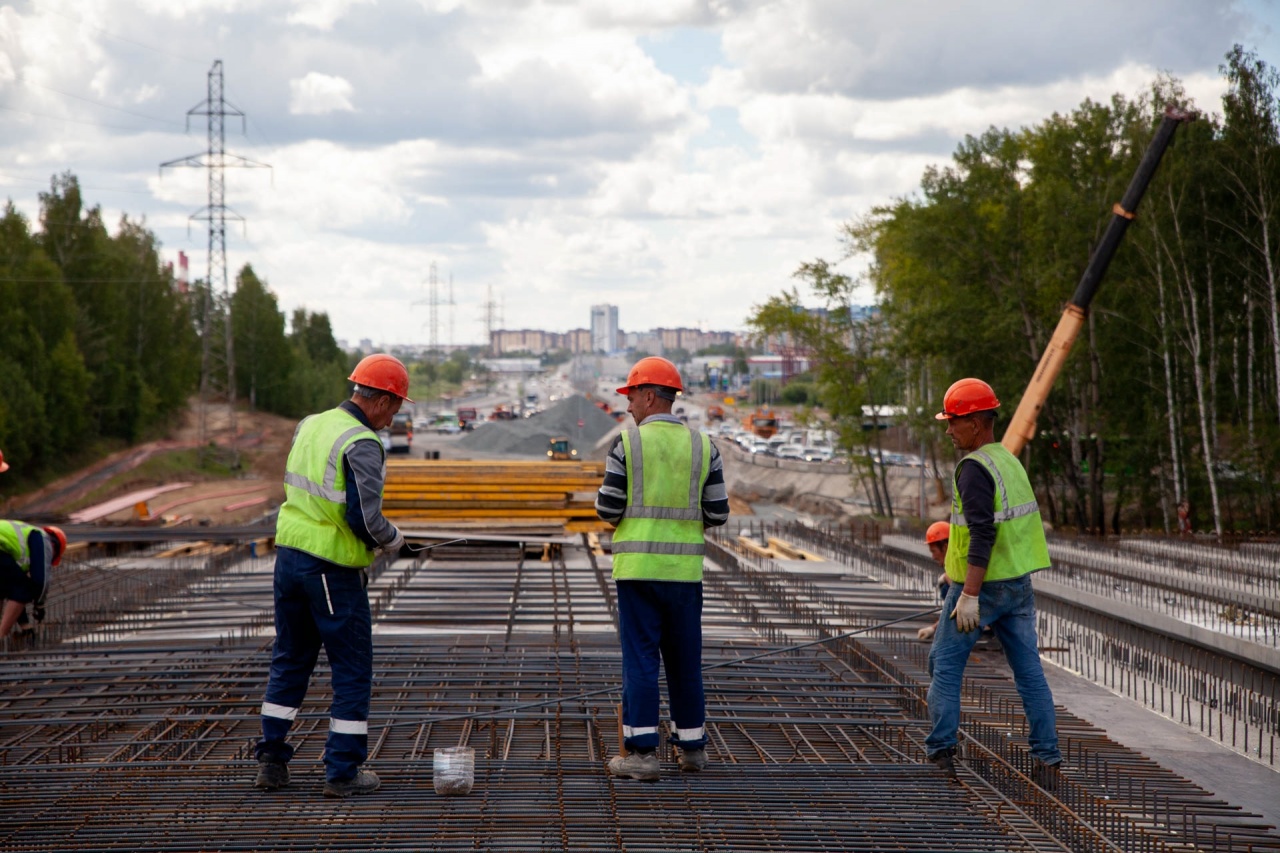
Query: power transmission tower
433	300
452	306
492	322
217	366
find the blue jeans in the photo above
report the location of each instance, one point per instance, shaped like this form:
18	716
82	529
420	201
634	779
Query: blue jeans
1009	607
661	618
320	604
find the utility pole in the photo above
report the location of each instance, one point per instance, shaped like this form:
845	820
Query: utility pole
217	368
492	322
452	306
433	303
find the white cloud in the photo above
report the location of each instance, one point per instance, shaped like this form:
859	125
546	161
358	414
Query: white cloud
560	151
317	94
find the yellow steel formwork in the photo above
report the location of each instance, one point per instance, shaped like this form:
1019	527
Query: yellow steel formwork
518	494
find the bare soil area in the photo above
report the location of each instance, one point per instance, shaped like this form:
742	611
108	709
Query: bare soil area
219	493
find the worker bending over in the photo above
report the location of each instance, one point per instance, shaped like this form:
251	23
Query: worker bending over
936	539
328	529
996	541
27	557
663	484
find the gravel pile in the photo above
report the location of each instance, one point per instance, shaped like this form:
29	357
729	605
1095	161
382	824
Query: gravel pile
531	436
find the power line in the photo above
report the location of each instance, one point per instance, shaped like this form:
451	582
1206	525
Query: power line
27	82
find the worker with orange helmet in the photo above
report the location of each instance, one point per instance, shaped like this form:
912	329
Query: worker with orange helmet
27	557
327	533
936	539
663	484
996	541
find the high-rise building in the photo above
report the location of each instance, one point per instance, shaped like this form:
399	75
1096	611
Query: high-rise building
604	328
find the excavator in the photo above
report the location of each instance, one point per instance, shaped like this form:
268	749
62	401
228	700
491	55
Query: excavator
560	449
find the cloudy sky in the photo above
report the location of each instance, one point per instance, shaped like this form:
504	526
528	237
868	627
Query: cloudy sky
677	158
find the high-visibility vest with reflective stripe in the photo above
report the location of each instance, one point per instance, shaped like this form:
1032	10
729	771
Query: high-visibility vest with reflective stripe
1020	546
660	535
14	539
313	518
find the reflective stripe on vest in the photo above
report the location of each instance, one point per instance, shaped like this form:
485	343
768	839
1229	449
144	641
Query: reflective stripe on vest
660	534
313	517
1020	547
13	538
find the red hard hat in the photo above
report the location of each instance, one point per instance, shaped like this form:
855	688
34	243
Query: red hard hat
939	531
653	370
56	533
384	372
966	396
4	466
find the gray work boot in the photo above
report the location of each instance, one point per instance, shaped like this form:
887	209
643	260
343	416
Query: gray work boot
364	782
271	775
945	761
693	760
641	766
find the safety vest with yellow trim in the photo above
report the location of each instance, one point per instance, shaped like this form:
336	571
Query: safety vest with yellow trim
14	538
313	518
1020	547
660	535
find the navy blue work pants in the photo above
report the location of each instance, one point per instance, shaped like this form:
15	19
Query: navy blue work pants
661	619
320	604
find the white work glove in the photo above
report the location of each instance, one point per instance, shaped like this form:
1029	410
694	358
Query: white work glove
926	633
394	546
966	613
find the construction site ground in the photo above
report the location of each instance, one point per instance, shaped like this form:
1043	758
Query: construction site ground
135	729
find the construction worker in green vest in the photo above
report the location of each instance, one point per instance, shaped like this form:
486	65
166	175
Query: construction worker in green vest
663	484
327	533
996	542
28	555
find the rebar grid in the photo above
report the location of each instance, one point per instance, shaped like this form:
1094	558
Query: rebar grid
147	744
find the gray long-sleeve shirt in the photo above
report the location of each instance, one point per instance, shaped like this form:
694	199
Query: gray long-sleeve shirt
364	466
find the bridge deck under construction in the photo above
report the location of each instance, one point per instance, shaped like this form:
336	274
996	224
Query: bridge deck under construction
136	733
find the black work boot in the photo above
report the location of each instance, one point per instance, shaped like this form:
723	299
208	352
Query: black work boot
945	761
271	775
1047	776
364	782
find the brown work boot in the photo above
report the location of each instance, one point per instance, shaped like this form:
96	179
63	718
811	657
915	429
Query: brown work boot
1047	776
271	775
364	782
945	761
642	766
693	760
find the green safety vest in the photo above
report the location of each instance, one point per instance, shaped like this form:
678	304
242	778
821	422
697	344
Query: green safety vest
660	535
14	536
313	518
1020	546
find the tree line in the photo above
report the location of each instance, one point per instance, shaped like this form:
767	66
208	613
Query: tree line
100	347
1172	391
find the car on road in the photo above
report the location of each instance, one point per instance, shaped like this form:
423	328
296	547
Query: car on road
789	451
817	454
401	431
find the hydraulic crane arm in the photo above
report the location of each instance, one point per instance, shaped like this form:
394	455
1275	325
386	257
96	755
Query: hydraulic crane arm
1023	426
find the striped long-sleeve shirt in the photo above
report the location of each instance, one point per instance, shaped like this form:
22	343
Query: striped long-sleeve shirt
611	500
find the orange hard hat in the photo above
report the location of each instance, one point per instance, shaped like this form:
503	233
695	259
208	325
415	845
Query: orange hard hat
4	466
966	396
653	370
57	534
384	372
939	531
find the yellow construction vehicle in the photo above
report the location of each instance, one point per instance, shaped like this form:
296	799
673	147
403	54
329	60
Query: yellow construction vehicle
762	422
560	449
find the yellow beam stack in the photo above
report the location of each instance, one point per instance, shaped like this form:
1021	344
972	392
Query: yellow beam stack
516	494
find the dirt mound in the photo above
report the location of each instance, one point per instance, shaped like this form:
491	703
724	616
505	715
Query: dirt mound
575	417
